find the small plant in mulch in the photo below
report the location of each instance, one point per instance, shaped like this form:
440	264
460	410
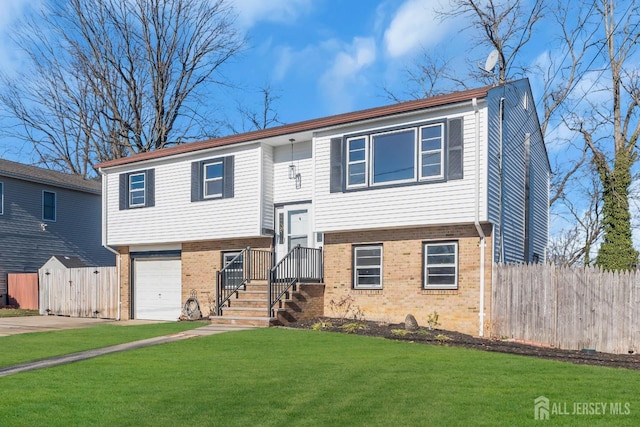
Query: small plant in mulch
400	332
441	338
432	320
353	327
318	326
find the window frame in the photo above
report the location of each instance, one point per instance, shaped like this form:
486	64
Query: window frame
371	165
206	180
131	191
1	198
421	152
355	248
426	265
349	162
55	208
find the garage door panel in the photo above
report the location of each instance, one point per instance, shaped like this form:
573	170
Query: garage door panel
157	289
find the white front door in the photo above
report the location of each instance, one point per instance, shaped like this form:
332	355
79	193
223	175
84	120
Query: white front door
293	227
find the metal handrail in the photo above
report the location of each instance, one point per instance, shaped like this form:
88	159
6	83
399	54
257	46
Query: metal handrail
300	264
249	264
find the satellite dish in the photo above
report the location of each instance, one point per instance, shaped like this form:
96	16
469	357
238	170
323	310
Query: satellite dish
491	61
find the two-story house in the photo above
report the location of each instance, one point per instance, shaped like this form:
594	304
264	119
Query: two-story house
45	213
410	203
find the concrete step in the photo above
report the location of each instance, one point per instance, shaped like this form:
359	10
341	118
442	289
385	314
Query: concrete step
245	311
260	321
246	302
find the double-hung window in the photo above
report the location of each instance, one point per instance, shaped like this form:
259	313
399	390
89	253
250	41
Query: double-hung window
367	267
357	162
431	151
137	190
441	265
48	206
212	177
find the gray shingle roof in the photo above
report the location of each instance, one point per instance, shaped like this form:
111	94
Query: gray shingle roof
71	261
49	177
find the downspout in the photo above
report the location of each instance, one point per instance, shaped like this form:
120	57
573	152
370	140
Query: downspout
479	229
104	235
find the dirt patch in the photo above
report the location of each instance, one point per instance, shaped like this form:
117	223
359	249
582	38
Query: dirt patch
456	339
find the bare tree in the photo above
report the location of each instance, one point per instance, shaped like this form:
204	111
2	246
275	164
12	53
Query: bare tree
252	119
610	126
109	78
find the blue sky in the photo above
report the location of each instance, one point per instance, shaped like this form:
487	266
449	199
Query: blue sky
321	57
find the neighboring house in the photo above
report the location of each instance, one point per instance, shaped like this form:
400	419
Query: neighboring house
45	213
412	204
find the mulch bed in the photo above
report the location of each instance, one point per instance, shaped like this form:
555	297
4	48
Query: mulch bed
456	339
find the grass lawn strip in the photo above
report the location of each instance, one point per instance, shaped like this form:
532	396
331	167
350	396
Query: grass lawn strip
308	378
17	312
21	348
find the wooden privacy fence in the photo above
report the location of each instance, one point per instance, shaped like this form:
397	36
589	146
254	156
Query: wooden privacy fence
23	290
80	292
568	308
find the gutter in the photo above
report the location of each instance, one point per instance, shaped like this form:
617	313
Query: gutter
104	234
479	229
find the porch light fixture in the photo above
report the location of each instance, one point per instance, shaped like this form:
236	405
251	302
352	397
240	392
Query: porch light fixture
292	167
298	181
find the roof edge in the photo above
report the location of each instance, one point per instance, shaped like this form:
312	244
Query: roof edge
307	125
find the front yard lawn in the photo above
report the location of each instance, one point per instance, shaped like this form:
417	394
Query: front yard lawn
308	378
21	348
18	312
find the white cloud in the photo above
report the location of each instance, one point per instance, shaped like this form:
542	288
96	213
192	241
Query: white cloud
342	80
252	11
415	25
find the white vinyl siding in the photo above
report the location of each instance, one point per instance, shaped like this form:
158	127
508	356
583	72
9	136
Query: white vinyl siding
285	189
431	203
267	188
174	218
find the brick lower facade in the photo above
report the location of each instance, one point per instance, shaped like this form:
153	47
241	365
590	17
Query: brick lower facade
402	291
200	262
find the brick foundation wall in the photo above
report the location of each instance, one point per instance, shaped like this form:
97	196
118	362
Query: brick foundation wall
201	261
125	282
306	303
402	291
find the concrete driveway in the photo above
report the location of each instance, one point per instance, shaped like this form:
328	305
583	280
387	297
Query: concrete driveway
22	325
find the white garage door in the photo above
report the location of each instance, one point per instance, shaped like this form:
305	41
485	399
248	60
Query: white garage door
157	289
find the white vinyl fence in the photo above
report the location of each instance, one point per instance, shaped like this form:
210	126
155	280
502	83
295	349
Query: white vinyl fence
569	308
80	292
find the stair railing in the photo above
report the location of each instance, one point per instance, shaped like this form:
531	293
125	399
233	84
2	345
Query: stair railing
250	264
299	265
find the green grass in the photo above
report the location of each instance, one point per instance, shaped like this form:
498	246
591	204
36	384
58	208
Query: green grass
16	349
17	312
308	378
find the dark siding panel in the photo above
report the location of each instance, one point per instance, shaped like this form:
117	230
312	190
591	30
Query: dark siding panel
337	169
196	181
122	191
25	247
227	191
454	150
150	185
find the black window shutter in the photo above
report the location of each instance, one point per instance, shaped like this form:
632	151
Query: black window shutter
150	186
196	181
454	149
122	191
336	161
227	190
